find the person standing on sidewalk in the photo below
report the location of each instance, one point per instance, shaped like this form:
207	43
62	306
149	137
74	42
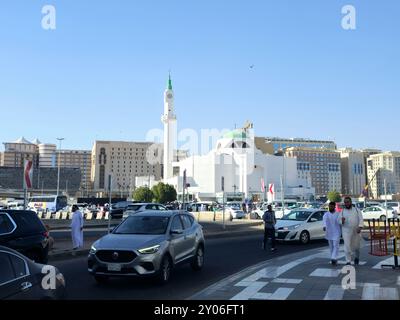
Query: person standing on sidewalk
352	222
269	228
333	231
77	228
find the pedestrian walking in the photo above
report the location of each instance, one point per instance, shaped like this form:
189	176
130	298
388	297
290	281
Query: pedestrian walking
77	228
333	231
269	228
352	222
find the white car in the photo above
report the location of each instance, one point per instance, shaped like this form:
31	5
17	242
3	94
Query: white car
279	213
234	212
377	212
301	225
395	206
140	207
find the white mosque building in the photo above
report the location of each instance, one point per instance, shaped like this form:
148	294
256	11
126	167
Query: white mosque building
234	166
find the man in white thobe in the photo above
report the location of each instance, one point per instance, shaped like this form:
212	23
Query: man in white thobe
77	228
352	222
332	231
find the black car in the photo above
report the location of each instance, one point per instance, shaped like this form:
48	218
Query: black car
118	209
24	232
23	279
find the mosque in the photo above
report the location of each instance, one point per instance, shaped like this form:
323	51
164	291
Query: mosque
234	168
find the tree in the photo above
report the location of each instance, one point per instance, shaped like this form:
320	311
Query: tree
334	196
164	193
143	194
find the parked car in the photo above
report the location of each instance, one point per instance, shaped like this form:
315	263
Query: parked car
395	206
21	278
139	207
301	225
117	210
149	243
234	211
378	212
23	231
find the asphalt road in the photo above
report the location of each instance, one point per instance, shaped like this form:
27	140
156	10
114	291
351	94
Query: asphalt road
224	257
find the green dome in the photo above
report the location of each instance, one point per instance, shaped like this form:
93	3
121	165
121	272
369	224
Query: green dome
235	134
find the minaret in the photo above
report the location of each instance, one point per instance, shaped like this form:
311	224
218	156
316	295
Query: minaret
169	121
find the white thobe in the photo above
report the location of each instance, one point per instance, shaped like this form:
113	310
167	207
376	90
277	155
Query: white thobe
76	230
332	233
352	240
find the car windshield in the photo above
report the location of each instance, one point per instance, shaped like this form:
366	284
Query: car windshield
297	215
133	208
143	225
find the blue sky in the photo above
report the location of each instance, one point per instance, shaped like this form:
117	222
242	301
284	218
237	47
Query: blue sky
102	72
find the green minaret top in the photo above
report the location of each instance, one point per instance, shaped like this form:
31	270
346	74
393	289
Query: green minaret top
169	82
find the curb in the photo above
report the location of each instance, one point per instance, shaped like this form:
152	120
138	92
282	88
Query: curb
97	226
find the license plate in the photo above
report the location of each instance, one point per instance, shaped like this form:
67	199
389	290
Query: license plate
114	267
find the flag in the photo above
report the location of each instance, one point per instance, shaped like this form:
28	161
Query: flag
262	185
271	192
28	168
271	189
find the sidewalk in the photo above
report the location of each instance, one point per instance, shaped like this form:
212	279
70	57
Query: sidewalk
308	275
63	247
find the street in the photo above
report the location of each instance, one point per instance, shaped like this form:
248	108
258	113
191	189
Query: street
224	257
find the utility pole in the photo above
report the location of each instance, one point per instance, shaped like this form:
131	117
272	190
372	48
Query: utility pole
59	165
110	200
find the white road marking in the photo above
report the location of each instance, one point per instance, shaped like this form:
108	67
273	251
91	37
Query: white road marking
373	291
325	273
287	281
335	292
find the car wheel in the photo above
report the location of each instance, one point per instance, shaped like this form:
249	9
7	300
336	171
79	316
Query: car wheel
198	259
165	270
304	237
382	218
101	279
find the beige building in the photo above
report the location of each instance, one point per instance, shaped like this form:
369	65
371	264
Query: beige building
354	173
321	167
384	168
47	156
124	161
16	152
81	159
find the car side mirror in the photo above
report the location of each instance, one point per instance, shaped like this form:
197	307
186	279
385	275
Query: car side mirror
177	231
313	220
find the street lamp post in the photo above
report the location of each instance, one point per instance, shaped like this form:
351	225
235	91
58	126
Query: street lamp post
59	165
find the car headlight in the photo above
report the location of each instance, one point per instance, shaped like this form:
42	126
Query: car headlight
291	227
93	250
150	250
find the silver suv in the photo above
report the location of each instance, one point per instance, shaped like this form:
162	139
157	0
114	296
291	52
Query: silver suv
139	207
148	243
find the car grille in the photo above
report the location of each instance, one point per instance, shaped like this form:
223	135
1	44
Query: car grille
111	256
282	235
